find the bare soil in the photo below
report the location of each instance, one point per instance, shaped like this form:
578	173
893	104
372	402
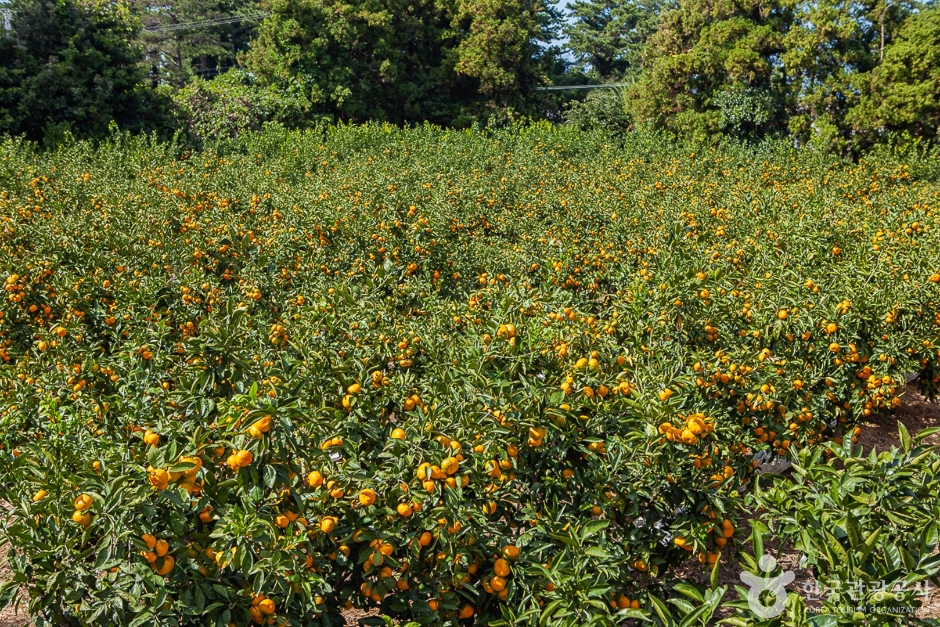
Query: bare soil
8	617
880	433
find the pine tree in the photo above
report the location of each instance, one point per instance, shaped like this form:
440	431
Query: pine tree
713	68
70	67
902	94
607	38
445	61
830	47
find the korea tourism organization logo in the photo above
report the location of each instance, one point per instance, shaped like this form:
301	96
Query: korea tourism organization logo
772	604
767	594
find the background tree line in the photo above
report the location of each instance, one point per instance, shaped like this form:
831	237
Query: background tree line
843	73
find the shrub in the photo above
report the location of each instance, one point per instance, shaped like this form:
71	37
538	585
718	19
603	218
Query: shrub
232	104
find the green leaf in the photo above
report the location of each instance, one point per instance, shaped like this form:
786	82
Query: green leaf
8	593
690	591
593	526
823	620
758	529
595	551
662	611
713	578
182	467
548	611
905	437
700	613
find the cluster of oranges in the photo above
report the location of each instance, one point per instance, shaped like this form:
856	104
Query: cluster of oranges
695	427
156	554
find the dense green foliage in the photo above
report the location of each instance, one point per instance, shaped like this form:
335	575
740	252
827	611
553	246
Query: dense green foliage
866	524
903	93
445	62
608	38
842	76
712	56
355	367
69	67
234	104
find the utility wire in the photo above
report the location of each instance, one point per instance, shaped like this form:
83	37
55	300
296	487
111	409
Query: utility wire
234	19
561	87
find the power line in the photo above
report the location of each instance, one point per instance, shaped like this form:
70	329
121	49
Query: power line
213	70
561	87
233	19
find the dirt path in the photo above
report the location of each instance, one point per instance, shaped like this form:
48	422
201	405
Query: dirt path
880	433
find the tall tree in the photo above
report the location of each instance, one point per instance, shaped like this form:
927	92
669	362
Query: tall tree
406	60
69	66
360	59
607	38
713	67
902	94
504	45
829	46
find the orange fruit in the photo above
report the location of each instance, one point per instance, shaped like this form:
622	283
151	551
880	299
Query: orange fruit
83	502
168	563
161	547
267	607
82	518
367	497
450	465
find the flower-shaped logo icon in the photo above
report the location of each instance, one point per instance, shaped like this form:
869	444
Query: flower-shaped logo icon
773	585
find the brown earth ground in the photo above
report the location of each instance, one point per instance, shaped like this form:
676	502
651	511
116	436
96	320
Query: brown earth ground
880	433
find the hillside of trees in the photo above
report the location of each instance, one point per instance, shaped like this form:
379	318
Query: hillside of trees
845	75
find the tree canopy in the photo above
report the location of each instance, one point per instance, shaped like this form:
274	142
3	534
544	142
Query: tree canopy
842	74
70	66
406	61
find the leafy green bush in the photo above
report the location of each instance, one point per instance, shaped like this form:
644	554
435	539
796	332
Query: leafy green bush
868	526
233	103
603	109
67	70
